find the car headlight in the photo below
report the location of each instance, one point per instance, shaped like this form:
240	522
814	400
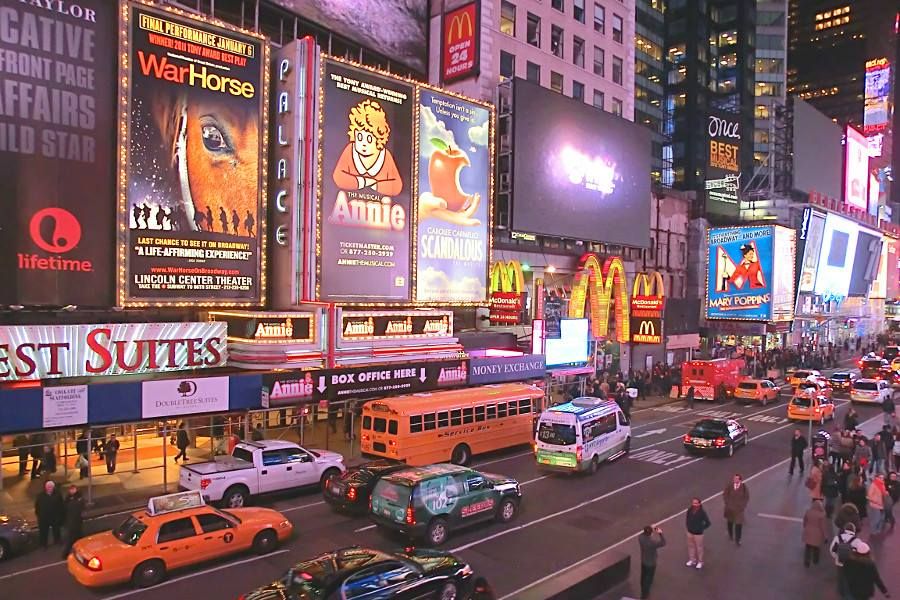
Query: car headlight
285	524
466	571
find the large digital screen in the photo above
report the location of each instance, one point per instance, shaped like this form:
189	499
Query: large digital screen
818	151
784	246
455	171
740	278
812	230
876	112
856	169
578	172
57	152
865	262
192	198
572	345
365	211
396	29
879	286
836	257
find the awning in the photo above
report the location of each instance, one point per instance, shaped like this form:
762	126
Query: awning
683	341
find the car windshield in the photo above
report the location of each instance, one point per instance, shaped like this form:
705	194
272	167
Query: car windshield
838	376
801	401
556	434
747	385
231	516
130	531
866	386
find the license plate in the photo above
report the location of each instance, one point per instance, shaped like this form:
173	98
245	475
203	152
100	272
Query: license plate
386	512
701	442
336	490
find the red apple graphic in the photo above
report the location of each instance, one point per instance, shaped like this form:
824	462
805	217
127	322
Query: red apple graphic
443	175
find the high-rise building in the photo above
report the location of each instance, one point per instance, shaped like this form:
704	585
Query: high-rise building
709	68
649	40
771	75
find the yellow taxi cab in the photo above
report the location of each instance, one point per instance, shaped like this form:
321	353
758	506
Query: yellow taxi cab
895	364
175	531
756	390
801	375
809	404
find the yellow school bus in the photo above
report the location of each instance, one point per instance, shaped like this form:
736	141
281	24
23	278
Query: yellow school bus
453	425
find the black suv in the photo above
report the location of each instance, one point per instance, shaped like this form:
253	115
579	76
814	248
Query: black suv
350	492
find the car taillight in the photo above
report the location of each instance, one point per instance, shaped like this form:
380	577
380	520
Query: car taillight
351	494
410	516
370	503
365	437
94	564
204	483
392	443
719	442
578	453
687	438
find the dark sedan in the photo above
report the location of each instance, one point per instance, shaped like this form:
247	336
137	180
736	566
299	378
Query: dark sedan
842	381
350	492
364	574
15	536
716	435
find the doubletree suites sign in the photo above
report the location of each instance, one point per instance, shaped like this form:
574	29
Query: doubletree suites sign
411	325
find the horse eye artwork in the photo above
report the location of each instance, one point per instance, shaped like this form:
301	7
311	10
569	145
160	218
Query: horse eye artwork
214	139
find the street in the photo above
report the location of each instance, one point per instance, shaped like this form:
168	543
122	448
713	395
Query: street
563	520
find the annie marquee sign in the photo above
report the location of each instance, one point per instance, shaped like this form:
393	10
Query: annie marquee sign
33	352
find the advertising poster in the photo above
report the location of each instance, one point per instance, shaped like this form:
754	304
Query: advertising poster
892	250
455	170
387	380
739	277
57	152
811	232
856	169
193	198
836	257
168	397
876	112
783	295
460	45
366	219
723	165
64	406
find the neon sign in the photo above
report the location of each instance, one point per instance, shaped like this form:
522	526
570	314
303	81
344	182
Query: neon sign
605	285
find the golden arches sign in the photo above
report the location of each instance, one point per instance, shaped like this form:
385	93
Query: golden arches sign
507	277
605	285
652	284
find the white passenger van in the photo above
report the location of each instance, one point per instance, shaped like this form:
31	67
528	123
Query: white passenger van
579	435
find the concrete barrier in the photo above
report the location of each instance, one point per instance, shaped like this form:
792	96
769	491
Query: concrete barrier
585	581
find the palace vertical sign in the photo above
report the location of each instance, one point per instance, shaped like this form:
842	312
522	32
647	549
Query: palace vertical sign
460	42
648	298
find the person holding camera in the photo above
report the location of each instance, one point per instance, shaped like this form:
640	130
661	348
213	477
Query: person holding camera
650	541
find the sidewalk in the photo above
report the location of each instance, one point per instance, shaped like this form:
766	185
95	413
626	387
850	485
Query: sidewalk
768	564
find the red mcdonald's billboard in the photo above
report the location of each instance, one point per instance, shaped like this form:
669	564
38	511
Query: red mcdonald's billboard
460	42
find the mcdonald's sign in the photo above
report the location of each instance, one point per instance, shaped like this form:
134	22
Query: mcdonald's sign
461	42
507	289
507	277
648	296
606	286
646	331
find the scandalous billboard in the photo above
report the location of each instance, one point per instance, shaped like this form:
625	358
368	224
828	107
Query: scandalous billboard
396	29
194	133
723	165
365	212
588	168
856	169
455	175
461	42
739	276
877	113
57	152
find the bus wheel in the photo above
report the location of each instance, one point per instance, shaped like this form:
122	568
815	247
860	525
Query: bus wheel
461	455
595	464
628	444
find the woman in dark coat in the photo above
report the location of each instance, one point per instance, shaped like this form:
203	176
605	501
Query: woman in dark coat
856	495
182	441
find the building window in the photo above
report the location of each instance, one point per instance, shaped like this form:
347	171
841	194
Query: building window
559	5
649	48
728	61
617	27
768	89
617	107
617	70
728	38
556	82
761	111
507	65
508	18
578	51
760	136
599	19
533	72
534	30
578	90
769	65
556	41
599	57
598	99
579	10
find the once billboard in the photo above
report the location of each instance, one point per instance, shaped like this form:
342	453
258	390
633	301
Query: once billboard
723	164
588	168
739	276
818	151
856	169
193	119
366	220
57	152
455	176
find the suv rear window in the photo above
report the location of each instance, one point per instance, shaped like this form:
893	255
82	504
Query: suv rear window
557	434
393	494
747	385
801	401
867	386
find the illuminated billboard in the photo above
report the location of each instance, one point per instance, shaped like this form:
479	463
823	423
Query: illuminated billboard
812	230
743	280
461	42
836	257
588	168
856	169
193	130
723	165
877	112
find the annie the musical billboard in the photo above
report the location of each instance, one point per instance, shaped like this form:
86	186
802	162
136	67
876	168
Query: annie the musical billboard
192	198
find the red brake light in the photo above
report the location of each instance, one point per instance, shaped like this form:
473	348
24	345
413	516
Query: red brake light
720	441
94	564
410	516
687	437
578	453
204	483
351	494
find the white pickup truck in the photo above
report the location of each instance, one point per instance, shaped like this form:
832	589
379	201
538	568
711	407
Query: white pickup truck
259	468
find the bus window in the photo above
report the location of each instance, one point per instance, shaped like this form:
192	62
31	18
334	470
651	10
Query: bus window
443	419
392	427
501	410
456	417
524	406
512	409
468	415
491	411
415	423
429	422
367	422
380	424
606	425
589	430
479	413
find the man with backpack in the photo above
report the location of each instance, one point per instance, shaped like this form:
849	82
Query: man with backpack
841	549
